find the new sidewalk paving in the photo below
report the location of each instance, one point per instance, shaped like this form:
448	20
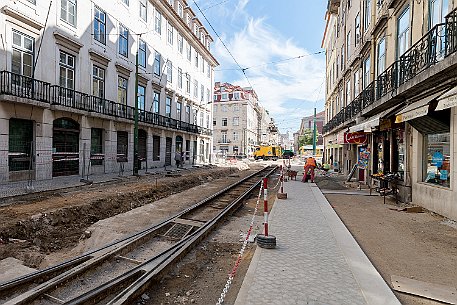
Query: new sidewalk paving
316	261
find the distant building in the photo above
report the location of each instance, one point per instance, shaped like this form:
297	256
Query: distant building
237	120
308	123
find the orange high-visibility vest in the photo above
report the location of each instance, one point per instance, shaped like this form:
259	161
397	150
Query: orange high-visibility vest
310	162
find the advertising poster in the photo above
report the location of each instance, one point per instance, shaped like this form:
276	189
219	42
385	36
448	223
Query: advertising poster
364	157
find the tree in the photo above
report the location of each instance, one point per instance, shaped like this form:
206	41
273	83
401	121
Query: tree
306	138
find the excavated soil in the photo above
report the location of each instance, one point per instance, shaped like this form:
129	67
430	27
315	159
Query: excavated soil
58	221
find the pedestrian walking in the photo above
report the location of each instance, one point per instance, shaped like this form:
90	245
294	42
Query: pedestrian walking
310	165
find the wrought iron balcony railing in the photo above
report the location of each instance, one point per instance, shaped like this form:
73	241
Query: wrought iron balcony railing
25	87
433	47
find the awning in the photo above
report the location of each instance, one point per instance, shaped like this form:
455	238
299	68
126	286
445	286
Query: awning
372	122
447	100
416	109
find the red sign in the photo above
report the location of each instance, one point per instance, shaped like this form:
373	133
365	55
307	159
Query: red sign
355	138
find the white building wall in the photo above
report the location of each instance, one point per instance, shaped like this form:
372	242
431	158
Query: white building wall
58	36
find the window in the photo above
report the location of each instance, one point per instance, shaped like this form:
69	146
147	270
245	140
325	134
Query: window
342	57
180	10
203	65
236	121
142	53
366	72
195	88
235	136
403	32
356	83
202	118
156	102
348	92
381	66
168	106
236	96
20	139
179	78
180	43
169	71
123	40
224	137
437	149
357	29
196	58
67	71
195	116
178	110
170	33
122	90
158	22
22	59
100	25
367	15
224	108
96	145
224	122
143	9
187	83
68	11
155	148
189	52
32	1
214	122
224	96
187	113
98	82
236	107
348	44
208	71
157	57
208	94
126	2
141	97
202	93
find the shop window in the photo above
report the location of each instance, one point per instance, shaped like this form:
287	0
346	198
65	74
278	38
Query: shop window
437	163
20	143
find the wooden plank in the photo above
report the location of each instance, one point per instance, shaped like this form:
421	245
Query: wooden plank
128	259
427	290
53	299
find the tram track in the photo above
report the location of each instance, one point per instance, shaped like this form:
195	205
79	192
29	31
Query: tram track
119	272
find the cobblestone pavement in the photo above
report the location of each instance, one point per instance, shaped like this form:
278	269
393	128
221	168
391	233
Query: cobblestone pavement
316	260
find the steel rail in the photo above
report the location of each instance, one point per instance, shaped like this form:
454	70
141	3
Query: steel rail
85	262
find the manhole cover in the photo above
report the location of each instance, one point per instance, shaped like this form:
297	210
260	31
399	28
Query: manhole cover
178	231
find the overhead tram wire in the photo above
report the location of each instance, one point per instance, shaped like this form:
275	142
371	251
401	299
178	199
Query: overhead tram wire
225	46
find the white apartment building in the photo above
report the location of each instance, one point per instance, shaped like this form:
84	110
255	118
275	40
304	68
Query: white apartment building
236	120
68	86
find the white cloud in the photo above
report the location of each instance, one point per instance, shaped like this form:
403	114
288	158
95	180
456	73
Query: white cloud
277	85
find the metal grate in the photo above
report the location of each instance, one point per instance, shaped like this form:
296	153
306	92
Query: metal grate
178	231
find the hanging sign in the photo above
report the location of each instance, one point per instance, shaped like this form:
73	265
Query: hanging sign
355	138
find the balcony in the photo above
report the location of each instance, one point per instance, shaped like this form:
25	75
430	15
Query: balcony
20	86
224	141
403	79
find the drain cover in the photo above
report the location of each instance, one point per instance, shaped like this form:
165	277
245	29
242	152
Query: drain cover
178	231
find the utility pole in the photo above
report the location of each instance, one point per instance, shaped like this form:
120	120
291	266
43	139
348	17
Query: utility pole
135	132
314	133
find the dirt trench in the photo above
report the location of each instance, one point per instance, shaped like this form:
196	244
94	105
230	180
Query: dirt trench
57	222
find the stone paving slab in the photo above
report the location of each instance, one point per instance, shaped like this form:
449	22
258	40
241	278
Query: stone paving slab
316	261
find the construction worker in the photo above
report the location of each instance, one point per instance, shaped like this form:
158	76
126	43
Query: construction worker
309	165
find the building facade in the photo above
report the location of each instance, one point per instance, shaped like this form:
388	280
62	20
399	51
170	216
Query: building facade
307	123
391	97
72	73
237	120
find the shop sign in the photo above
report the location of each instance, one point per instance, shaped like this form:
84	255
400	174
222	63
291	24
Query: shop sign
355	138
448	102
385	124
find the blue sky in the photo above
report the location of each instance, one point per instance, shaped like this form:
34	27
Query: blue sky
258	32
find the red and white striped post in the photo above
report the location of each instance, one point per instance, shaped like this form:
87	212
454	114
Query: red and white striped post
265	240
265	205
281	194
